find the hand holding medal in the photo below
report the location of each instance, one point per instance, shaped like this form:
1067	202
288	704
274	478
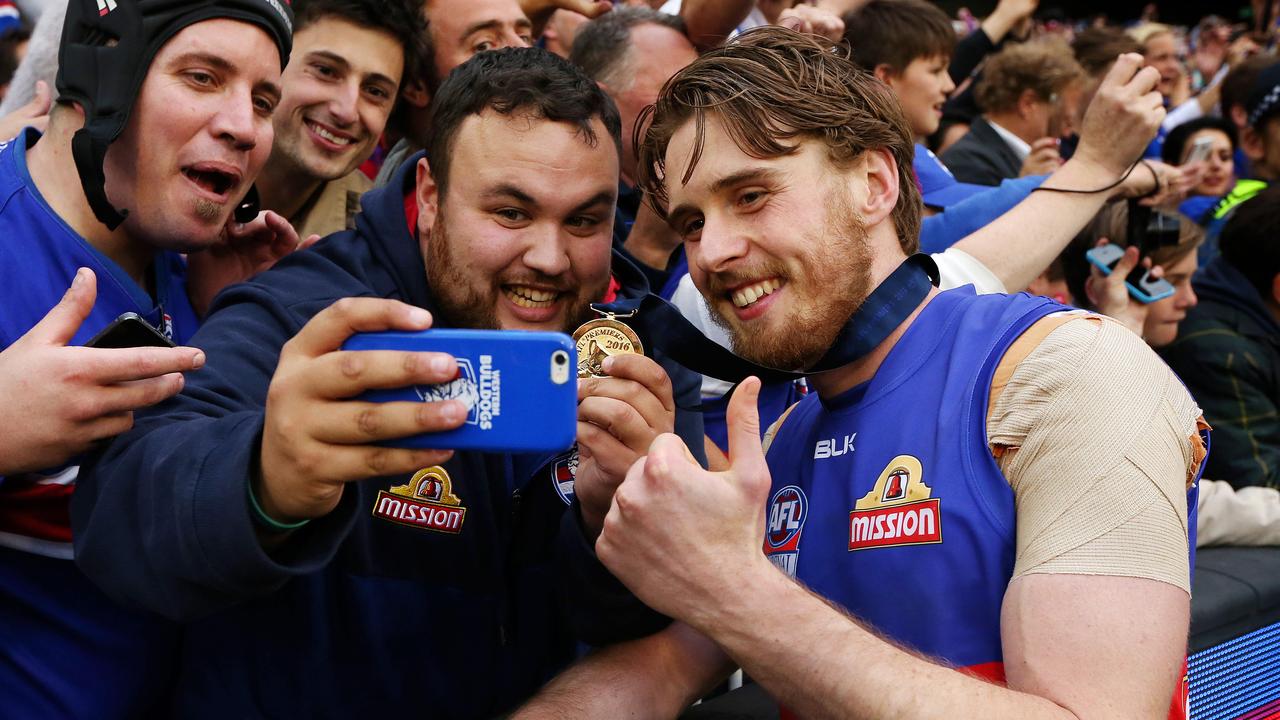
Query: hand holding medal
624	402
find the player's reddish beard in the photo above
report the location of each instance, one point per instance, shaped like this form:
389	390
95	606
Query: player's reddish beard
471	300
831	278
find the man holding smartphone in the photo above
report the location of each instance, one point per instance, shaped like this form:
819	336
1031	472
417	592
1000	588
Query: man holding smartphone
162	124
320	601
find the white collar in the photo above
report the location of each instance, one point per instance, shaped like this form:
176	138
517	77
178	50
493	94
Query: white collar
1015	143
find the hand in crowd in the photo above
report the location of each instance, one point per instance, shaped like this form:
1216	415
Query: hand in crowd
651	240
540	11
316	438
1211	50
1159	184
1008	15
1123	117
1241	49
1111	297
814	20
618	419
244	251
62	399
1043	159
34	113
679	536
1181	88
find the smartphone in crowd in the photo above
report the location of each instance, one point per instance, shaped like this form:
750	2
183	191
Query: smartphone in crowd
520	388
1200	150
1148	230
129	331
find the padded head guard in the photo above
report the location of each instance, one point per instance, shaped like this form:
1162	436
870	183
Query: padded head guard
107	49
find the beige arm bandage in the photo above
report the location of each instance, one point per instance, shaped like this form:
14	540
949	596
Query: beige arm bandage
1097	438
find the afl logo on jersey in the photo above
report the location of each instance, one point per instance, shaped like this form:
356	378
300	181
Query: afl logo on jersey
787	512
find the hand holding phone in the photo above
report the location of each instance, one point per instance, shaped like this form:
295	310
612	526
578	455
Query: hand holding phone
519	388
1110	295
319	435
70	397
1140	283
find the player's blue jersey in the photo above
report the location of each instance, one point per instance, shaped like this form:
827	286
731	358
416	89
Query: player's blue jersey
886	499
65	649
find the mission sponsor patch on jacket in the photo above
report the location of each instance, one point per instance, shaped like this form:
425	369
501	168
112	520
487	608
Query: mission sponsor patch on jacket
426	501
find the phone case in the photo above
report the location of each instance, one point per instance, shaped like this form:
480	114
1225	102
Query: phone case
1144	288
520	388
129	330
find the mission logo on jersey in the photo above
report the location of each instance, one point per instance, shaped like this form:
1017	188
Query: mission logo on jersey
898	510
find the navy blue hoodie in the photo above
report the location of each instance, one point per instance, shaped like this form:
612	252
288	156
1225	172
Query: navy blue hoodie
354	616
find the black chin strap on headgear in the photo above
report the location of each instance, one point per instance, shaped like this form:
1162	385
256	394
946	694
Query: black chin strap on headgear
107	50
661	325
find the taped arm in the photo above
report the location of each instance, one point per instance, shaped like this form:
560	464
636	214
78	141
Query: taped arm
1098	441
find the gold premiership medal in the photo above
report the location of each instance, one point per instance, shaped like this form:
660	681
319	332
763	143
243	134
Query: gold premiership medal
598	339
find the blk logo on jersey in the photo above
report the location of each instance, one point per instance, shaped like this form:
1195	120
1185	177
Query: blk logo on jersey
898	510
427	501
834	447
787	512
105	6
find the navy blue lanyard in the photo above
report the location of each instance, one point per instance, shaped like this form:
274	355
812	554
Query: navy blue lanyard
662	326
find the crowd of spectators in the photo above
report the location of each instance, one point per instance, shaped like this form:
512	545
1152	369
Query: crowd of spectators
1024	268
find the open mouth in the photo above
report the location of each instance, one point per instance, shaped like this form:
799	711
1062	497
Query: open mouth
212	180
530	297
748	295
330	136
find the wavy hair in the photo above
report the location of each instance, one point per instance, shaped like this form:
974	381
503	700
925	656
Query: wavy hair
773	88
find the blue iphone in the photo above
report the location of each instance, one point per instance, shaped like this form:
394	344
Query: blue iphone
1141	286
520	388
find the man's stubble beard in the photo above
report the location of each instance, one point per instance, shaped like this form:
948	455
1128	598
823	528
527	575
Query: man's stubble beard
811	329
463	306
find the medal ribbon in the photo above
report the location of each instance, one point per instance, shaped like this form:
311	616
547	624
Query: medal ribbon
663	326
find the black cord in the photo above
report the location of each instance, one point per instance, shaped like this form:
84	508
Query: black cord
1112	186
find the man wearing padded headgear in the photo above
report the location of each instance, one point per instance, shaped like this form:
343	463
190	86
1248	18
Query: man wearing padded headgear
163	123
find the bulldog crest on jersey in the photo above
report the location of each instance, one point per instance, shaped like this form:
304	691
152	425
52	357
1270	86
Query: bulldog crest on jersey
898	511
788	509
427	501
564	470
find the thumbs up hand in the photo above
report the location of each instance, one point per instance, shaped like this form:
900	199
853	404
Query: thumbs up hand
57	400
681	537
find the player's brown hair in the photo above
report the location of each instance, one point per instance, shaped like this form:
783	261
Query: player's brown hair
772	88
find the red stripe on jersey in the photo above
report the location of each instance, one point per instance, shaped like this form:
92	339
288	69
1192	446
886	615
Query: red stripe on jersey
35	510
991	672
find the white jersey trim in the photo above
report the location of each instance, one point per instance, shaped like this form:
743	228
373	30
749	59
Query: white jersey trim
35	546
